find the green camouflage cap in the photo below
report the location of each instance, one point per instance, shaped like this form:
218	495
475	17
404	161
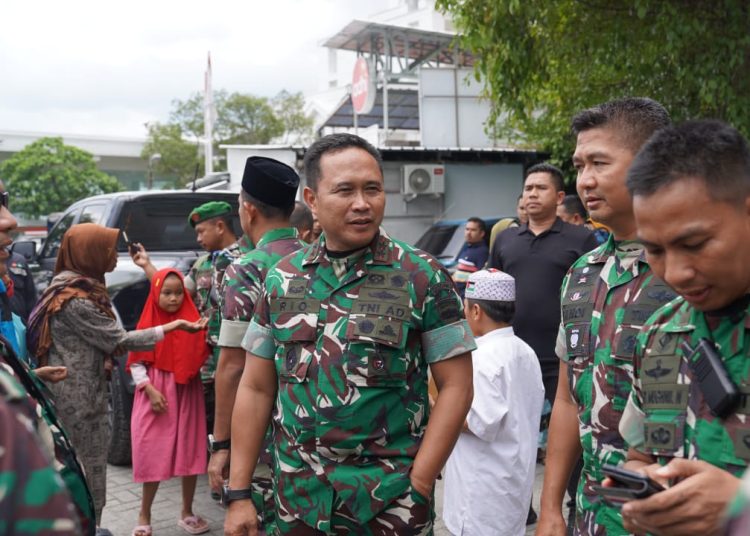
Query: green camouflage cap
209	210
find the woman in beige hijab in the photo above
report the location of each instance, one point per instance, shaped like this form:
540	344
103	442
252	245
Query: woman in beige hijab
74	326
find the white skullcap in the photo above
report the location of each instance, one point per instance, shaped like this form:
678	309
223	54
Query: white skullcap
492	285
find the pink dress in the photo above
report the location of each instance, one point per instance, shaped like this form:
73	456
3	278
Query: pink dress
173	443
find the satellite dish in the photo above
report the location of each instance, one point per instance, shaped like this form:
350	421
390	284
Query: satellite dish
419	180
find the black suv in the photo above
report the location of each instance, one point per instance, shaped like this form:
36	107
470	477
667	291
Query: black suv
158	220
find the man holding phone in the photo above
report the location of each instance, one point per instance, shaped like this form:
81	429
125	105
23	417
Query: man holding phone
690	402
606	297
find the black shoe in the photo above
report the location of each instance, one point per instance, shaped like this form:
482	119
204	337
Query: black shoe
531	518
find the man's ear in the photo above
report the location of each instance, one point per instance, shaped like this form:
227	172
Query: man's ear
560	197
310	200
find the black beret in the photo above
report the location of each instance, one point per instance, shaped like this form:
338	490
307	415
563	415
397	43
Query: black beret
270	181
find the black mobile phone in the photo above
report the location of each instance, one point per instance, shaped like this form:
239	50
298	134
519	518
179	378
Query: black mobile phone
629	486
132	248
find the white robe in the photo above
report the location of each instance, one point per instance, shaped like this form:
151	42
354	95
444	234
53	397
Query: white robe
489	476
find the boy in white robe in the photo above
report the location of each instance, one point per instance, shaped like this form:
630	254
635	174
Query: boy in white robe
490	474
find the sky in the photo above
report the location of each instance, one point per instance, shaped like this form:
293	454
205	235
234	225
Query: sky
107	68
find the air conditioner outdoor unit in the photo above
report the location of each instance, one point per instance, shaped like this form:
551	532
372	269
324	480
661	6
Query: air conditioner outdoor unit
422	179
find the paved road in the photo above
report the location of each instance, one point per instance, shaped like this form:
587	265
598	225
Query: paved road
124	496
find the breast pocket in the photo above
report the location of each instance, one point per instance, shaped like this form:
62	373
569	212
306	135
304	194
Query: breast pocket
375	354
294	328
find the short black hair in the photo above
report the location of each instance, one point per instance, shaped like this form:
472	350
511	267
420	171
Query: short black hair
634	118
554	172
480	222
498	311
301	217
573	205
226	218
331	144
707	150
268	211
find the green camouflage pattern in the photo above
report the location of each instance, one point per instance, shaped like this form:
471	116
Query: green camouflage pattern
606	297
206	276
244	278
667	415
738	516
54	439
33	497
351	352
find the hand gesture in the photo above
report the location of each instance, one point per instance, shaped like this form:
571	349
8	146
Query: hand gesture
139	255
158	402
51	374
192	327
694	505
218	469
241	519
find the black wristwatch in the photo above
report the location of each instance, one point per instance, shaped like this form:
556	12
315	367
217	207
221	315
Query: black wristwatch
231	495
214	445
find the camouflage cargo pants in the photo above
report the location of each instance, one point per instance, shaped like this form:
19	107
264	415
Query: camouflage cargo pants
410	514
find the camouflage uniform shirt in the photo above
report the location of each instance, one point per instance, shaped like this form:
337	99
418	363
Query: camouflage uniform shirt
606	297
738	516
243	282
351	345
34	499
205	279
54	440
667	414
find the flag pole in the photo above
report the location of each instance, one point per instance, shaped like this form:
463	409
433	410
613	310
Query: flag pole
208	105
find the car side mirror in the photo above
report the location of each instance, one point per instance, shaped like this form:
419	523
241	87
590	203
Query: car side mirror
25	249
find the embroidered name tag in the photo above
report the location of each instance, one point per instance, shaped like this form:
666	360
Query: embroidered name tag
665	396
293	305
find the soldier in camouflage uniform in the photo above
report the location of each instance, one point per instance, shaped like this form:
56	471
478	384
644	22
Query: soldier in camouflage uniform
213	228
738	516
266	202
704	255
340	343
605	298
34	499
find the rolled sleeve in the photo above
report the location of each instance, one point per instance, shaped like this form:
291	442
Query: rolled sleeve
232	332
561	349
259	341
447	341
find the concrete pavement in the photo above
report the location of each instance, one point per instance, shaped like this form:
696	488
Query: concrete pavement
124	500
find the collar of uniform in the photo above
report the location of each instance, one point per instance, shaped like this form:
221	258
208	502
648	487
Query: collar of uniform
556	228
277	234
381	248
683	319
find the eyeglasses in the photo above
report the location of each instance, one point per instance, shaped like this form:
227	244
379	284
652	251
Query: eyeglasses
4	197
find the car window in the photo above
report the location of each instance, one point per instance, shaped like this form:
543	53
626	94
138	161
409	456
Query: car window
161	224
437	237
55	236
93	213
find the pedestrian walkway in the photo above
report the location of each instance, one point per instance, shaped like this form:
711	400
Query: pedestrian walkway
124	501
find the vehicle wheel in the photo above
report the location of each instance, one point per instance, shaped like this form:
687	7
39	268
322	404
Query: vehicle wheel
120	406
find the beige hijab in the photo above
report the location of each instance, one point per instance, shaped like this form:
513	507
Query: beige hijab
88	249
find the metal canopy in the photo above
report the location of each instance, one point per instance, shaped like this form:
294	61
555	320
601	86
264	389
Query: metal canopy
403	111
410	47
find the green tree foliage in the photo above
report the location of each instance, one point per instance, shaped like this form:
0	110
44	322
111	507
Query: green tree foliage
241	119
179	157
543	61
290	109
47	176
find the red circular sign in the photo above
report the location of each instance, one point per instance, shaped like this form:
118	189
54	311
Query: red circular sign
363	87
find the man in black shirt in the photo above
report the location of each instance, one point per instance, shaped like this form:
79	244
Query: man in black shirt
537	255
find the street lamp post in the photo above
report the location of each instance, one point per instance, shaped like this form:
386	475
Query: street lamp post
151	161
